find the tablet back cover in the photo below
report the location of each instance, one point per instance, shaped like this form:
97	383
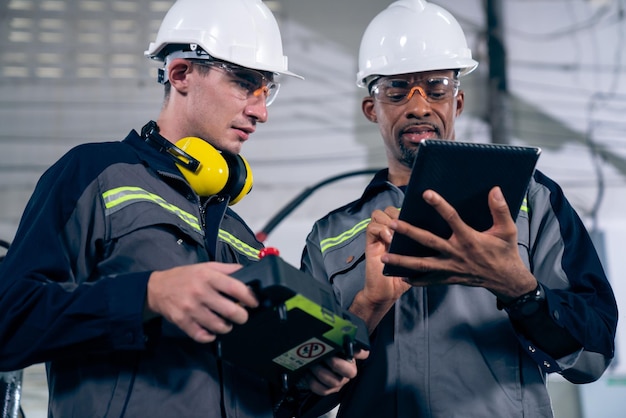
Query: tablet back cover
463	173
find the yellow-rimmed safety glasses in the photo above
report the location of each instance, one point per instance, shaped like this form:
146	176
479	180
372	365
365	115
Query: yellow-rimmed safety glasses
398	91
248	82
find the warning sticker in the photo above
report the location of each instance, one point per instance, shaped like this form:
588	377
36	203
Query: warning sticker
303	354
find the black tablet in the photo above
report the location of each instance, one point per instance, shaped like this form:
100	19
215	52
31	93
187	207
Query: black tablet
463	173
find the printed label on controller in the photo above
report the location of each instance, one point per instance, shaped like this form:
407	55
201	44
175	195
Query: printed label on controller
303	354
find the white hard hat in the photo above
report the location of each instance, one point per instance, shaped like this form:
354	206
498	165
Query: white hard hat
243	32
413	36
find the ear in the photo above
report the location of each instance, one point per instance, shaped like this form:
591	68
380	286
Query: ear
178	70
368	108
460	102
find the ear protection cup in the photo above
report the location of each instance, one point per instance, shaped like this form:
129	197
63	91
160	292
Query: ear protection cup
218	172
212	172
239	181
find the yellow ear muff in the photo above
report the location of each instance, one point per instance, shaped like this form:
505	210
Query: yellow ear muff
212	174
217	173
245	180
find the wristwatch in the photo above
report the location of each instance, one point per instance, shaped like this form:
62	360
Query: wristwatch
525	305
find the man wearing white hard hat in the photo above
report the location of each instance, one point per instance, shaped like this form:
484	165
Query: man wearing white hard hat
497	310
119	276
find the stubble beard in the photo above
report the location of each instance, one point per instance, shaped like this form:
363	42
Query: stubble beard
407	154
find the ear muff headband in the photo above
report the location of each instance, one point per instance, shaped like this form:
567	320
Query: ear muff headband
150	133
212	173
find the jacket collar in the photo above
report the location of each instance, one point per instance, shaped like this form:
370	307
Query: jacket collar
150	156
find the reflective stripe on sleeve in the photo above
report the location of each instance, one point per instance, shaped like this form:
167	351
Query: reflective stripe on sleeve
120	197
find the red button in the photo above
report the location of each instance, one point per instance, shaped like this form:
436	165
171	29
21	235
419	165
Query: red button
269	251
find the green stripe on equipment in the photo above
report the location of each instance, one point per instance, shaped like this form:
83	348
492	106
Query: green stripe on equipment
340	327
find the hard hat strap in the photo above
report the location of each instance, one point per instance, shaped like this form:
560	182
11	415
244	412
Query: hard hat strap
194	53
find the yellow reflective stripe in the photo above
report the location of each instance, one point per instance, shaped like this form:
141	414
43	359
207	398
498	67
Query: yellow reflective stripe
327	243
245	249
120	197
524	207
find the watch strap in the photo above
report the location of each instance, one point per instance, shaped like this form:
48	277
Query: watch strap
525	305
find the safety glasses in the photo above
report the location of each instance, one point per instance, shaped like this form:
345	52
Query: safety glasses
248	82
397	91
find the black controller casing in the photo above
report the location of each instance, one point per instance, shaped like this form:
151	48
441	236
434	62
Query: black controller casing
297	324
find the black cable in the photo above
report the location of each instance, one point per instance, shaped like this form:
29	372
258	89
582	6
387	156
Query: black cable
295	202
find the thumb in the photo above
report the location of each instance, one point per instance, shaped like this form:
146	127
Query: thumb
499	208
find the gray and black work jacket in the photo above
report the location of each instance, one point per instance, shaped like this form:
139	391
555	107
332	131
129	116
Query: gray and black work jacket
73	287
448	351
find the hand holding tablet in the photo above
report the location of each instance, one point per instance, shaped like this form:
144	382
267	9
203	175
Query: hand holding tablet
463	173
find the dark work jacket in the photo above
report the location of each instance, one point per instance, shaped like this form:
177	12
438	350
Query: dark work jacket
73	286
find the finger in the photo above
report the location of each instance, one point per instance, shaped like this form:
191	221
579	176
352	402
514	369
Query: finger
500	211
376	233
217	304
460	229
342	367
419	235
309	382
378	228
419	265
380	217
212	322
361	354
445	210
200	333
392	212
323	381
378	213
235	289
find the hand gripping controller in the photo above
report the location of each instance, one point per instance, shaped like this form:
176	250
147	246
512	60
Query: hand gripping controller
297	324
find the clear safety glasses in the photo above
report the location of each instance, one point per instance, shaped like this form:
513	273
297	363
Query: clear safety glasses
248	82
397	91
